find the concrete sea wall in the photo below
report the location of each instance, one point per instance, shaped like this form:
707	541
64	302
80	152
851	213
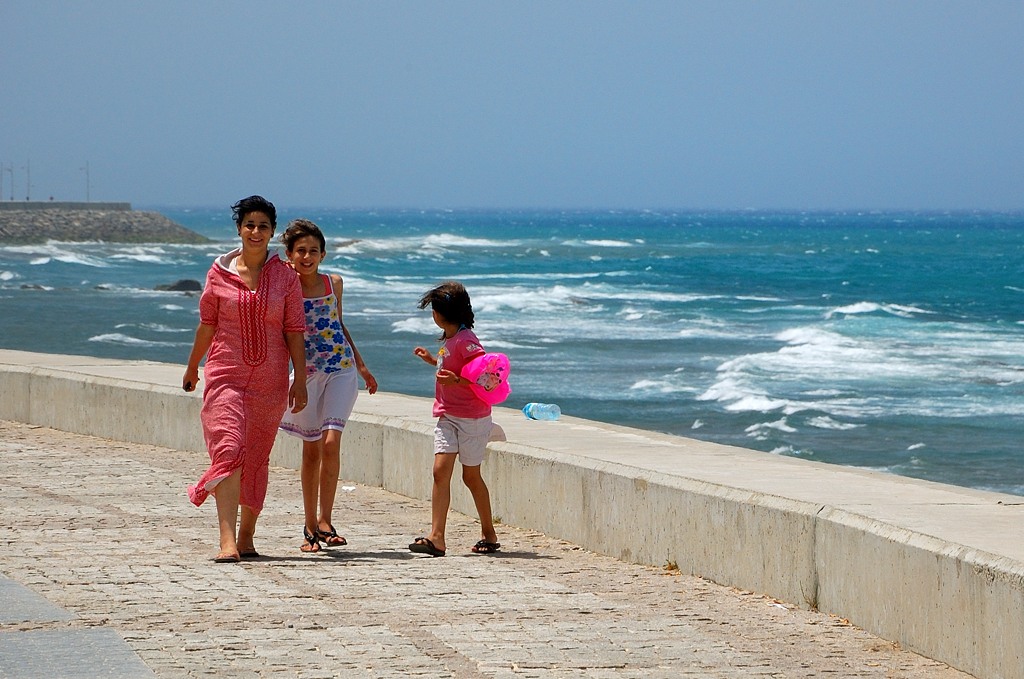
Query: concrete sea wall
936	568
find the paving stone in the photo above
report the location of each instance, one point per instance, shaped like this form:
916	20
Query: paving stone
124	563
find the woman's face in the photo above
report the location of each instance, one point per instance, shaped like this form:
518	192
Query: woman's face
306	255
256	231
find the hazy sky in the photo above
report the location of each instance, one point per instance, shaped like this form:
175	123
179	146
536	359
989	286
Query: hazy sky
632	104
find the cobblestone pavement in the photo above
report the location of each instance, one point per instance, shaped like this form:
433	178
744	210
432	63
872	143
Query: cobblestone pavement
102	530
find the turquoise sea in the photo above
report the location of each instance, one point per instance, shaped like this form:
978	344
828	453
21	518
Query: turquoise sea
880	340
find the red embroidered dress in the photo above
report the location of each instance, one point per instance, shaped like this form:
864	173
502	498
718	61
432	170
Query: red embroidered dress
246	372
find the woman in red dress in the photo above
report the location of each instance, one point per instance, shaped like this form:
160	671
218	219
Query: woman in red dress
251	323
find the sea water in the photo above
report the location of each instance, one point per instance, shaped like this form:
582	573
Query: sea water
879	340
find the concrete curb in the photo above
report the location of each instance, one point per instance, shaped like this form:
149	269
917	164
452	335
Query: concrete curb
936	568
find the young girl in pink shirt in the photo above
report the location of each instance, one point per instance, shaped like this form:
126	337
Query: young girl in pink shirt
464	421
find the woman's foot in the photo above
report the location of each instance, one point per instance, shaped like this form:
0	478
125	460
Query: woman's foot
247	550
227	557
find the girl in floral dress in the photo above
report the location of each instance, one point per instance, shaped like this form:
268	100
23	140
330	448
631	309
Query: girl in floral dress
332	362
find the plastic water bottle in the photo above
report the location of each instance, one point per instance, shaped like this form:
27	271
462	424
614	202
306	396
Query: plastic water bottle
542	411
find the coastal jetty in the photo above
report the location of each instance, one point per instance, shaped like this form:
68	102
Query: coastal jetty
25	222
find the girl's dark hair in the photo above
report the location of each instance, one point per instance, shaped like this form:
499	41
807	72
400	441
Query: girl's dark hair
254	204
300	228
451	300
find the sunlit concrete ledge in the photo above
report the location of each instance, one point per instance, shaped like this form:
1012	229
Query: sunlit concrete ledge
936	568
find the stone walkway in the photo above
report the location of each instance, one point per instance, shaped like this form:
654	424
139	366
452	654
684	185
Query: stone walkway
106	571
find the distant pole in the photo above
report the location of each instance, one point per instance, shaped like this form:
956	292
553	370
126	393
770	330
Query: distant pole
28	180
86	168
10	169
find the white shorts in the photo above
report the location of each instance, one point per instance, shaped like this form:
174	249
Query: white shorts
330	398
463	435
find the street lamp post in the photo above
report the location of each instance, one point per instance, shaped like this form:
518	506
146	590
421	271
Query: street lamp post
86	168
10	170
28	180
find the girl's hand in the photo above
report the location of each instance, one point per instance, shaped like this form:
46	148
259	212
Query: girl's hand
425	355
447	377
371	382
297	397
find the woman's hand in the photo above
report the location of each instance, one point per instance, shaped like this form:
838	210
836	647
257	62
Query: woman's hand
297	396
190	380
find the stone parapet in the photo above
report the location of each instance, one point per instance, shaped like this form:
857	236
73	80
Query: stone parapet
936	568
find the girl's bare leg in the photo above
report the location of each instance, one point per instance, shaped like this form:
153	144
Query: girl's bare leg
441	497
330	470
309	473
482	499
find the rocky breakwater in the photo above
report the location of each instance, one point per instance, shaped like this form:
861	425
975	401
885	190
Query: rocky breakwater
114	223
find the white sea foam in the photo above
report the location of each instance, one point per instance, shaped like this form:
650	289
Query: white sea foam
419	325
119	338
631	314
153	327
825	422
762	430
7	275
172	307
668	385
503	277
608	243
707	328
900	310
143	258
67	253
502	345
429	244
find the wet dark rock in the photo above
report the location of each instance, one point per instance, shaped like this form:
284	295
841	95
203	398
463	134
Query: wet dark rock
184	285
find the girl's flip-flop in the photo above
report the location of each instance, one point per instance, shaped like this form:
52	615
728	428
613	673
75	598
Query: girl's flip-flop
425	546
486	547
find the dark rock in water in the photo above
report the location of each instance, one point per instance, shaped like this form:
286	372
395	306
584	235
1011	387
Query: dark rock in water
31	286
184	285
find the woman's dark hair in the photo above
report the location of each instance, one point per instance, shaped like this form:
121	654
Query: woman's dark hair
300	228
254	204
451	301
